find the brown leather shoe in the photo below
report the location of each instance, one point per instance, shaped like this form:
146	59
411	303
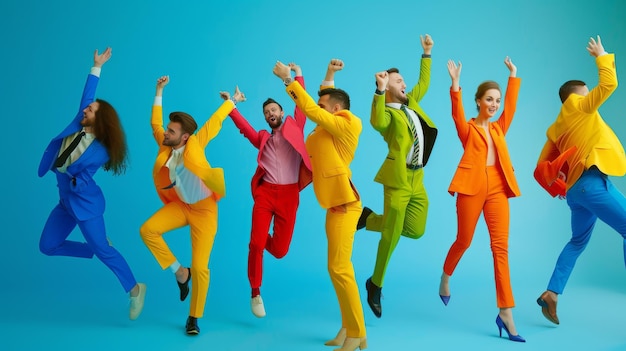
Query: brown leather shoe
548	306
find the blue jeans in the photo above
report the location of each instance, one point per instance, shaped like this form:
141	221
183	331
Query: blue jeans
593	196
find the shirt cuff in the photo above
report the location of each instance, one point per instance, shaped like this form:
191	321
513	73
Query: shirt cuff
425	55
96	71
328	83
158	101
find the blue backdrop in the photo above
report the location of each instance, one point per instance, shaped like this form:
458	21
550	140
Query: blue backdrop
209	46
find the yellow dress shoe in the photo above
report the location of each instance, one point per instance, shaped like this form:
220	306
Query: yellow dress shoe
351	344
338	340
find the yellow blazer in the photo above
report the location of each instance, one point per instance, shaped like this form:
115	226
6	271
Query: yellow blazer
331	147
579	124
194	158
473	165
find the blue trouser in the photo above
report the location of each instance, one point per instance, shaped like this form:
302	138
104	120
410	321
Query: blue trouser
593	196
53	242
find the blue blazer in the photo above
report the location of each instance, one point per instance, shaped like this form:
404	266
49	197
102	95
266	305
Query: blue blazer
78	192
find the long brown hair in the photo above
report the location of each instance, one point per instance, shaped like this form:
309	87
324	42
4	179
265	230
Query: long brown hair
108	130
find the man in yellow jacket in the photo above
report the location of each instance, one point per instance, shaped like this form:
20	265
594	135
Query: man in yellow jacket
596	153
190	188
331	147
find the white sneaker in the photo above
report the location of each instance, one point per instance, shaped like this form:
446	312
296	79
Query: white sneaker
257	306
136	302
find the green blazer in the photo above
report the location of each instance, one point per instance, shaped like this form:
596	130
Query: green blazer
393	125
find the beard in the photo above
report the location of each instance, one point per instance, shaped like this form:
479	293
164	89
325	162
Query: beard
397	96
86	122
403	99
171	142
276	124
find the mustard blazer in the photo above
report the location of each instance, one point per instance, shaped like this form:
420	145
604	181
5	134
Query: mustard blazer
194	158
472	168
331	147
393	125
579	124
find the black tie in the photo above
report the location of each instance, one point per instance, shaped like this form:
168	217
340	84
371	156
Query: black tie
66	153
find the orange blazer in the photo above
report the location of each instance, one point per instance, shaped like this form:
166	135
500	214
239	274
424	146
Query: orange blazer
473	165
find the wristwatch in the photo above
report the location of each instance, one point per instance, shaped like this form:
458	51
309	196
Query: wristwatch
287	81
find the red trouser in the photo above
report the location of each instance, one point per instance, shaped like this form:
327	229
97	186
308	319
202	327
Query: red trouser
492	201
280	202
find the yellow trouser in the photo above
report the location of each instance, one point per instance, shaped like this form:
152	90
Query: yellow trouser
340	228
202	220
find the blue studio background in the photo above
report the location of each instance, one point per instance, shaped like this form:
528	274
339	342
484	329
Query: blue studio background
54	303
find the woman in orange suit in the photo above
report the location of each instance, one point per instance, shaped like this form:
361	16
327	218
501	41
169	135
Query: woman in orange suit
484	181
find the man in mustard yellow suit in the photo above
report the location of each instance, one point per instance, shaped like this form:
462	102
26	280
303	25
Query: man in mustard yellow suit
598	154
190	188
331	147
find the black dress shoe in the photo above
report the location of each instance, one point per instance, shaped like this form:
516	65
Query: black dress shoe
184	287
366	212
373	297
191	326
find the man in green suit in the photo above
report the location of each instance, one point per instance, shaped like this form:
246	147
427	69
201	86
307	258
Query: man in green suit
410	135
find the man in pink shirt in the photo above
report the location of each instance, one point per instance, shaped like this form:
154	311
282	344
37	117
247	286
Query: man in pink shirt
283	170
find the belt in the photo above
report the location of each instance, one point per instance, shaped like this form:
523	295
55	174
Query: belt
414	167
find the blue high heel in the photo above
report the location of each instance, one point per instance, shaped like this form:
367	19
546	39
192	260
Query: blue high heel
445	299
500	324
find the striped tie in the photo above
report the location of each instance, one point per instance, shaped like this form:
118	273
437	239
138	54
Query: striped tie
416	142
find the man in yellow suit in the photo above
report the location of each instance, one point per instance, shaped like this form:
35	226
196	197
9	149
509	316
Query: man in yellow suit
596	153
331	147
190	188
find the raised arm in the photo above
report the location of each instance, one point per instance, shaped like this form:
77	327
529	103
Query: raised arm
334	124
298	115
607	81
89	91
455	74
156	120
423	82
240	121
510	96
456	97
334	66
427	44
380	119
214	124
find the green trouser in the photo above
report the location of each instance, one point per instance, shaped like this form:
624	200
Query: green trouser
404	214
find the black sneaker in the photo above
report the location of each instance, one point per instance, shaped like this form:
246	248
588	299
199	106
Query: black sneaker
191	326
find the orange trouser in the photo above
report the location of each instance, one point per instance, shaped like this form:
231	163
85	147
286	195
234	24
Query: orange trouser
340	229
202	220
492	201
